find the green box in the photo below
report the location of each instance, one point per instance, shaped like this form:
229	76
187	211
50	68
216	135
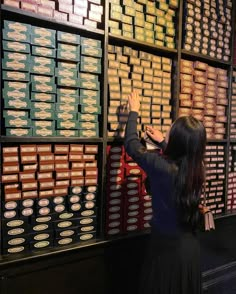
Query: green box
44	51
42	114
64	91
67	133
68	99
62	115
45	70
15	75
90	93
43	32
68	73
42	79
43	132
90	60
68	38
94	85
18	122
88	133
93	109
68	47
66	107
93	68
16	86
16	46
87	125
17	103
39	60
68	124
42	41
43	97
45	88
15	36
67	65
43	106
89	100
170	31
43	37
15	114
91	51
68	82
19	132
17	26
90	42
70	56
43	124
87	117
15	65
21	57
88	77
15	94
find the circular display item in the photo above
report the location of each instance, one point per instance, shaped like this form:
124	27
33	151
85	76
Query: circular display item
44	211
89	212
43	202
28	203
41	237
16	249
113	231
89	204
77	190
11	205
59	208
74	199
89	196
9	214
75	207
27	211
58	200
92	189
41	244
65	241
86	237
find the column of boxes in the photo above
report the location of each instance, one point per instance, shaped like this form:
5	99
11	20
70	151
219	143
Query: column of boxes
231	196
203	94
129	207
42	90
207	28
50	195
150	76
145	21
87	13
215	177
233	108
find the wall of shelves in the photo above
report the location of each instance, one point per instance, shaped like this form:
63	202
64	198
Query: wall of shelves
109	41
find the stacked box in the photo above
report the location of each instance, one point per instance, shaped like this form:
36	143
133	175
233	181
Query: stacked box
215	177
129	206
231	196
50	195
204	94
233	108
150	76
88	13
207	28
42	90
145	21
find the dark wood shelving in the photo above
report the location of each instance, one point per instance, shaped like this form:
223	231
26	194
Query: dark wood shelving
202	57
12	139
54	21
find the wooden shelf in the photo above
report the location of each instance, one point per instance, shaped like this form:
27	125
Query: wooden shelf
54	21
12	139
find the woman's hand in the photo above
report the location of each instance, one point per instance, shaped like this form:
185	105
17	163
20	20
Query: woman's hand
134	101
154	134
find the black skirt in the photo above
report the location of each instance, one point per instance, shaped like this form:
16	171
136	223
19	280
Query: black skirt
172	265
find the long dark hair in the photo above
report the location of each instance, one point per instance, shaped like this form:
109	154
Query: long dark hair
186	148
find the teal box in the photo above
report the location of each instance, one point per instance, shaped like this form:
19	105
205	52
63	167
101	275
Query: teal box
89	100
45	88
43	106
68	82
66	73
15	94
70	56
43	79
43	132
90	60
43	124
68	99
17	103
68	38
88	133
43	97
39	60
15	65
63	91
68	133
17	26
90	93
42	114
21	57
43	32
62	115
67	124
15	114
93	85
16	86
42	69
66	107
89	67
15	75
16	46
88	77
18	122
19	132
68	65
15	36
91	51
68	47
93	109
44	51
87	125
87	117
42	41
90	42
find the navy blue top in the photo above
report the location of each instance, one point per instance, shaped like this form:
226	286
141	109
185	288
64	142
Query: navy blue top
161	177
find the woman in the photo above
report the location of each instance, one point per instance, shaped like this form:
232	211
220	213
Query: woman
172	264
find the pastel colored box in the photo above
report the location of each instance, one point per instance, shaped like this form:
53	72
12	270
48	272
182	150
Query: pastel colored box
15	36
90	42
43	51
68	82
42	69
68	99
15	65
42	97
17	104
89	67
71	56
42	41
14	75
68	38
16	46
94	85
16	86
91	51
17	26
64	72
